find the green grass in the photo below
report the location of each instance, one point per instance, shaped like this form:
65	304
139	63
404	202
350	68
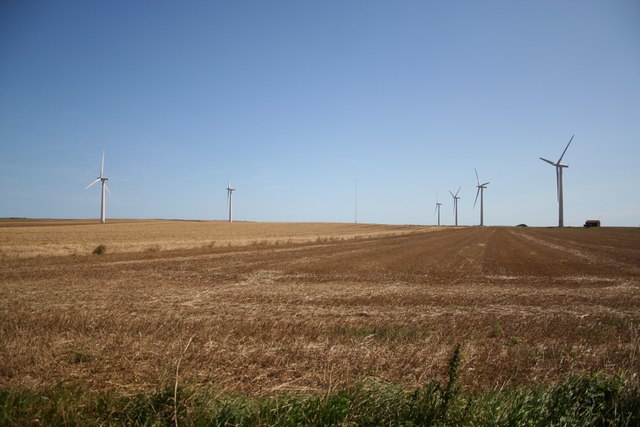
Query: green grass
590	399
580	400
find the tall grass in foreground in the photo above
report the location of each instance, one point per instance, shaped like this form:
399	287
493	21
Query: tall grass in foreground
580	400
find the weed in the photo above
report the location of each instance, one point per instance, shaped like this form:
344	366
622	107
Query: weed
496	330
80	356
615	323
514	340
592	399
100	249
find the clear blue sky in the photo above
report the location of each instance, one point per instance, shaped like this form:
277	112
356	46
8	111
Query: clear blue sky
294	100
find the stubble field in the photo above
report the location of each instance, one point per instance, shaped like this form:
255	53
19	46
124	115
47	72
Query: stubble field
313	307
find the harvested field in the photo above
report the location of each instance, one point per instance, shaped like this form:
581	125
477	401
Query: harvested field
528	305
28	238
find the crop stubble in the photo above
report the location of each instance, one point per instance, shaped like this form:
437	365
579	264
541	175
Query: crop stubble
528	306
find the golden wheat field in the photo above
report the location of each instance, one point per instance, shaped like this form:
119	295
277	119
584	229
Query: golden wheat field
266	308
27	238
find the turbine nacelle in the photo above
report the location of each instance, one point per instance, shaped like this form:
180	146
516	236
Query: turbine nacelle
98	179
455	196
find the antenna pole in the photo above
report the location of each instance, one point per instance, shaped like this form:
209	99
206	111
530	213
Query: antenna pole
356	202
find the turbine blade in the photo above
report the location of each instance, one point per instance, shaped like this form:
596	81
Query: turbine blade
477	179
436	209
458	190
548	161
452	195
102	165
107	188
565	149
92	184
476	201
486	183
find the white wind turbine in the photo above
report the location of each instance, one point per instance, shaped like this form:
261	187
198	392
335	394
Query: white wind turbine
480	192
559	167
104	180
438	204
455	203
230	191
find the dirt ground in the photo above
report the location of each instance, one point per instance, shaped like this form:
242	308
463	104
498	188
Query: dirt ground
528	305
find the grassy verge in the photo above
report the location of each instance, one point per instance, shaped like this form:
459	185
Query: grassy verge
580	400
583	400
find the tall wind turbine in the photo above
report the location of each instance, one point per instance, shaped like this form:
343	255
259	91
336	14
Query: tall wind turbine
455	203
480	192
230	191
438	204
559	167
104	180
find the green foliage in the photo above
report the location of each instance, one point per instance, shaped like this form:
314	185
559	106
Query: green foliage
594	400
513	341
496	331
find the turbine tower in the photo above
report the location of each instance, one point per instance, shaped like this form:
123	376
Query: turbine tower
104	180
230	191
438	204
559	167
480	192
455	203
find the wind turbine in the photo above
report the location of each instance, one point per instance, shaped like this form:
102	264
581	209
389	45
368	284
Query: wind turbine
559	167
230	191
455	203
438	204
104	180
480	192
